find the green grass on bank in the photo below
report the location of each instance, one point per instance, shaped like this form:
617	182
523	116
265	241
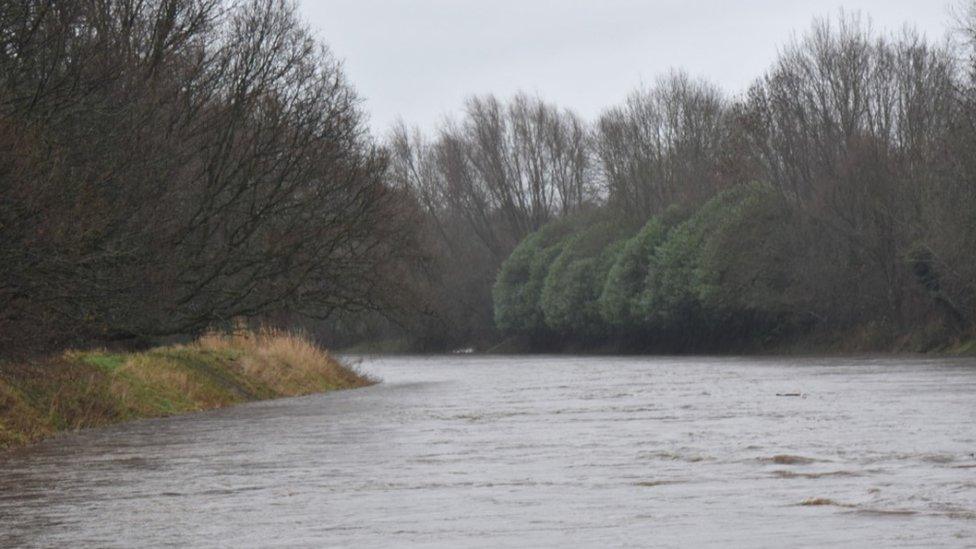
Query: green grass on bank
83	389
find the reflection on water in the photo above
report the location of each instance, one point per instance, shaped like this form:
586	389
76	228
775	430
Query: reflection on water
468	451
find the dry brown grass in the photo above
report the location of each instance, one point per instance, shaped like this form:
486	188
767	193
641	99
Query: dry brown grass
80	389
19	423
288	363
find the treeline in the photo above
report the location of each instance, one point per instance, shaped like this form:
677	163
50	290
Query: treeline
167	165
718	277
172	165
836	196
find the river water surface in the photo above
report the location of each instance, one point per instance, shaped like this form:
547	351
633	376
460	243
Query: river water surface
489	452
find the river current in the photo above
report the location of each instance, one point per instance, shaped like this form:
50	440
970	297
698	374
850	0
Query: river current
466	451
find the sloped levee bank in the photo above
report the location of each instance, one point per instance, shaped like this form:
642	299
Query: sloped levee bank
83	389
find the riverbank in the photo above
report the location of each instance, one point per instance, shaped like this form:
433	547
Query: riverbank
84	389
866	340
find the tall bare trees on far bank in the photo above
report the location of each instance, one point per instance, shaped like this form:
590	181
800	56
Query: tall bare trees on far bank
854	129
505	169
485	181
853	159
662	146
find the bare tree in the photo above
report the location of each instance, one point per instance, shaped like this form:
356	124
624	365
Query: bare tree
663	146
505	169
484	182
850	127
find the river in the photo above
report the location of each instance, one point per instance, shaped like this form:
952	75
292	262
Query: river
544	451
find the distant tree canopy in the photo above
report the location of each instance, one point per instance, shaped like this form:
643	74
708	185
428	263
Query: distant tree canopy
572	287
168	164
484	182
663	146
838	195
518	292
631	264
602	283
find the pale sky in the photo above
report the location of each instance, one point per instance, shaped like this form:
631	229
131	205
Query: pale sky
419	59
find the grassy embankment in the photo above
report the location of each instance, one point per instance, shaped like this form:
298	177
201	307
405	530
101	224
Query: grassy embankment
82	389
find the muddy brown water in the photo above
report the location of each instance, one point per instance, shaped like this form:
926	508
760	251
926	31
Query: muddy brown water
545	451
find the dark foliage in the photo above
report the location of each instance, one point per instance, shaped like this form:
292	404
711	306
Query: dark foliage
170	164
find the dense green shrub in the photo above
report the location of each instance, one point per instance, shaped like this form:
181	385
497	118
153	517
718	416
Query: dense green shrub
723	270
576	279
625	281
518	290
692	267
745	263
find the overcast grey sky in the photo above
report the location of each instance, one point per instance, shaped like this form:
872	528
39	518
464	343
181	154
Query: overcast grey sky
418	59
